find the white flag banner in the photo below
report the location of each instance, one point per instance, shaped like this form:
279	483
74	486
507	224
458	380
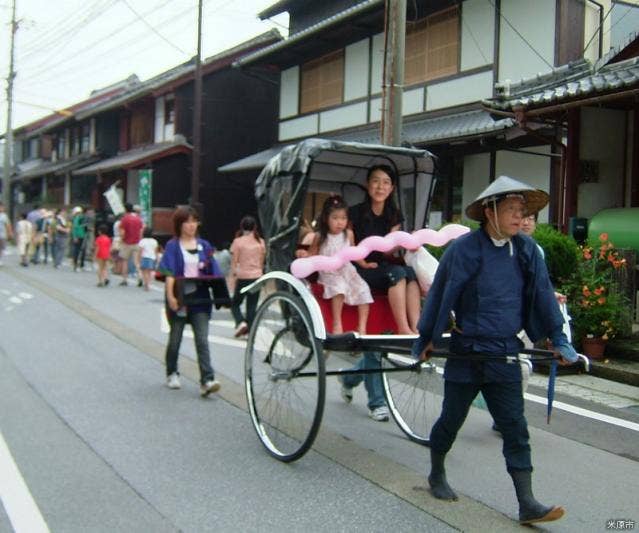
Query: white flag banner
115	202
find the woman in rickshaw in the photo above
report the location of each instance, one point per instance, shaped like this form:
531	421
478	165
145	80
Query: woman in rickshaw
378	215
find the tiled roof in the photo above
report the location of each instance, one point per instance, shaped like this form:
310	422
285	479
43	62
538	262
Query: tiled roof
307	32
58	167
577	81
416	132
137	156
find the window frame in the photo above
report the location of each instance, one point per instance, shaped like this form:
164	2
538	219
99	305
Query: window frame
323	63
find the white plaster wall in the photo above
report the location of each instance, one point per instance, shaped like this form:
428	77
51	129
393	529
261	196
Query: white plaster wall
158	135
591	27
459	91
298	127
343	117
289	92
375	113
535	20
477	34
476	178
377	63
531	169
356	67
602	139
413	101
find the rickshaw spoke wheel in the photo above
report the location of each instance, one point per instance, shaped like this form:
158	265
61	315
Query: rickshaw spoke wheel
414	397
284	377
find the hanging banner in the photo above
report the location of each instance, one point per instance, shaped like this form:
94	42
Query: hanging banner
115	202
144	195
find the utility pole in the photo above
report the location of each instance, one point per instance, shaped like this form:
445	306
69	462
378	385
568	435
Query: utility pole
8	138
197	117
394	46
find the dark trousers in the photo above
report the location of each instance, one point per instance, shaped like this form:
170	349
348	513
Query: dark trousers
78	252
251	302
506	405
200	324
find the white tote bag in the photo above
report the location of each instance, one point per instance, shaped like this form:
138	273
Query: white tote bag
424	265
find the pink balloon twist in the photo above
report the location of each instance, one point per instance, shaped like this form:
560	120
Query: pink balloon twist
305	266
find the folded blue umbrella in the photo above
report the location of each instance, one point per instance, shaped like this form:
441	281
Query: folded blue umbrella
551	388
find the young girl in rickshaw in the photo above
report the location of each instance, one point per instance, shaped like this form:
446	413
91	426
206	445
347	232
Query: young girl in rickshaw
344	284
378	215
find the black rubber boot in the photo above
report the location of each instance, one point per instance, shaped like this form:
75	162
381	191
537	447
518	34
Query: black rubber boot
437	479
530	510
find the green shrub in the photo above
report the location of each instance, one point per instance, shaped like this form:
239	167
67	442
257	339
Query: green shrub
562	252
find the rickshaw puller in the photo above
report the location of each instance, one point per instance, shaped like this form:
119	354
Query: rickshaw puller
496	282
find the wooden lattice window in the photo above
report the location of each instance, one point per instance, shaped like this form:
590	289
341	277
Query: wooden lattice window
322	83
432	47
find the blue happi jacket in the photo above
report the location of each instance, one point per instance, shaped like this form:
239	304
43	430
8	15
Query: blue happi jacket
493	295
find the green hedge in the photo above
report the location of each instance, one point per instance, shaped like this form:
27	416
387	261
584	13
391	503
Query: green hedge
562	252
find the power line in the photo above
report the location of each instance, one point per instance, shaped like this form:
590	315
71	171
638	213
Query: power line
88	48
112	52
152	28
519	34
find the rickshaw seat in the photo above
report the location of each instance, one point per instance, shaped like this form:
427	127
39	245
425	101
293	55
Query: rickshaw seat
380	316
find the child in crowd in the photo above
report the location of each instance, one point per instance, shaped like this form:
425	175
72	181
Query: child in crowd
149	249
344	284
102	255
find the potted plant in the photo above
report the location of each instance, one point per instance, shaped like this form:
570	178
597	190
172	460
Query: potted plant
598	309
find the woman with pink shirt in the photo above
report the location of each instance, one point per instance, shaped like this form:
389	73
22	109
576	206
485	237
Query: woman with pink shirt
247	265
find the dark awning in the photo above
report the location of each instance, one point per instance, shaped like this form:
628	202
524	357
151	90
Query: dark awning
136	157
253	161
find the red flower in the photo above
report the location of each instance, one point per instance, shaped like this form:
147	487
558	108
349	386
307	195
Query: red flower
587	253
599	291
601	300
603	237
585	291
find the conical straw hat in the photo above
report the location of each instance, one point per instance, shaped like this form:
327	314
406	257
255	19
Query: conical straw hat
534	199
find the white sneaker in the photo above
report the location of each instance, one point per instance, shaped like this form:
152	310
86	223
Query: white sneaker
379	414
346	392
209	387
173	381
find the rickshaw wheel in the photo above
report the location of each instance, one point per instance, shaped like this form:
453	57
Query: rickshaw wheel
285	377
414	397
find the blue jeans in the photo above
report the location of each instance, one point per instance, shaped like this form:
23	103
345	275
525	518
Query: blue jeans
505	403
372	382
199	321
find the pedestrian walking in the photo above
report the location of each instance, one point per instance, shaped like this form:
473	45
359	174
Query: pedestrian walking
247	265
60	230
6	231
24	238
130	232
102	254
496	283
149	253
186	258
78	237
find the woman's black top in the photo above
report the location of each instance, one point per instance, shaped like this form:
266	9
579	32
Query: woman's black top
366	224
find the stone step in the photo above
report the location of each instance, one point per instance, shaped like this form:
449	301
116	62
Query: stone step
615	369
627	349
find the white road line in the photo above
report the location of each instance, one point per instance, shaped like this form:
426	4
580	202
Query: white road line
587	413
18	503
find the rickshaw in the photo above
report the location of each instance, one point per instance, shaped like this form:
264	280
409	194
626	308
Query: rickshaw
285	365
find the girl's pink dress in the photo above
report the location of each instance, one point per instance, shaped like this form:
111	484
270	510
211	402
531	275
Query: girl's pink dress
346	280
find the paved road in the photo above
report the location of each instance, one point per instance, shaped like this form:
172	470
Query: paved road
103	445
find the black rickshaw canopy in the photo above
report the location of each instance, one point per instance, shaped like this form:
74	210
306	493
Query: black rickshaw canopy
321	165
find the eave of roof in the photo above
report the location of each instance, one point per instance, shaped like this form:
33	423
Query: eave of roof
57	168
610	78
308	32
137	157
